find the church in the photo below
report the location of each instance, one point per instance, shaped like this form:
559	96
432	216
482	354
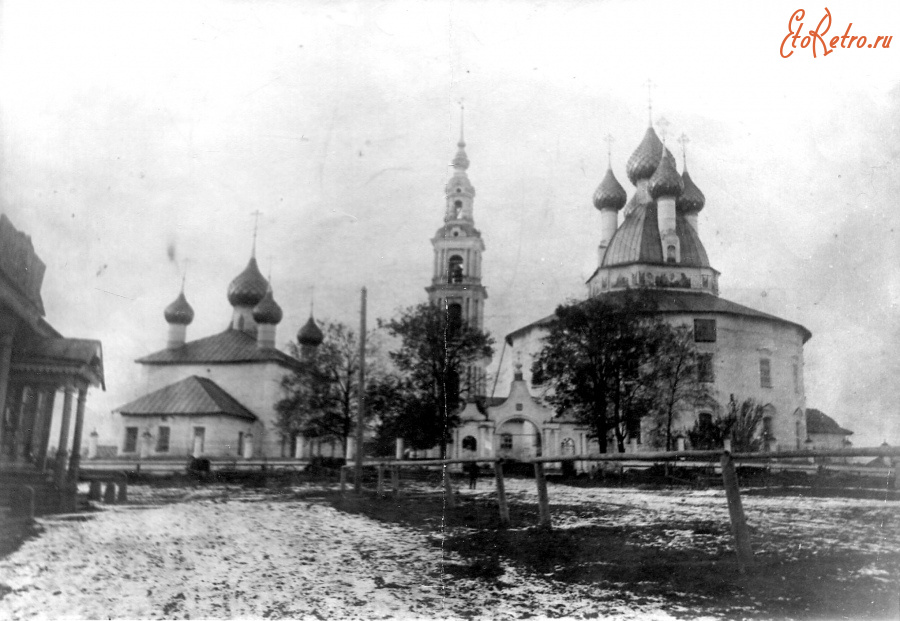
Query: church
215	396
650	240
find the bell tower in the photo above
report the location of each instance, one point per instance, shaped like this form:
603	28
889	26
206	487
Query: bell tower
456	281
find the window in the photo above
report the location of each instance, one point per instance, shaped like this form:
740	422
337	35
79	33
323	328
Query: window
455	269
765	373
537	377
240	444
199	439
567	447
469	443
670	254
704	330
705	369
454	317
506	442
519	407
131	434
796	378
162	440
705	420
457	208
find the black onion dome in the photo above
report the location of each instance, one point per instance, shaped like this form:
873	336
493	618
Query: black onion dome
310	334
179	312
666	181
249	288
692	199
645	159
267	311
610	194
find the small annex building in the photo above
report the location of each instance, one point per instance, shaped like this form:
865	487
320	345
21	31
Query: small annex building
215	396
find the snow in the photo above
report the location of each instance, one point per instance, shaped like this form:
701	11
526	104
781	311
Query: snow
226	552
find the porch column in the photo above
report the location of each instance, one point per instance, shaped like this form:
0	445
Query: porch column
457	452
5	357
44	437
61	452
554	433
299	443
75	460
24	417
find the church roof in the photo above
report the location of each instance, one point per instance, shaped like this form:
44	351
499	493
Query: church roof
680	302
610	194
229	347
192	396
179	311
248	287
310	333
637	239
692	199
819	422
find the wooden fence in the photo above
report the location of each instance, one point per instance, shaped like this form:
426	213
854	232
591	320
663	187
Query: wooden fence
726	459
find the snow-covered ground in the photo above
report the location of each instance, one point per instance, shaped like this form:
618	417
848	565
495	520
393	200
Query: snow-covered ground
226	552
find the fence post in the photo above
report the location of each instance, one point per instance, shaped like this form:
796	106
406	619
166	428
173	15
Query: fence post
95	491
395	480
501	494
343	480
109	496
736	511
448	488
543	500
380	487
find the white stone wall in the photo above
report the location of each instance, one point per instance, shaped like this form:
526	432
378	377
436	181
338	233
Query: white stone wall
740	343
220	435
256	386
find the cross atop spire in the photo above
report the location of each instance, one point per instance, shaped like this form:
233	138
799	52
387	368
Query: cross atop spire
609	140
462	124
650	84
683	140
256	214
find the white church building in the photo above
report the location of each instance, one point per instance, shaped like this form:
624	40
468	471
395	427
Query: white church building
655	245
215	396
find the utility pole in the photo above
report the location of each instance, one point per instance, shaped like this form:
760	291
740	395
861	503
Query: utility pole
361	398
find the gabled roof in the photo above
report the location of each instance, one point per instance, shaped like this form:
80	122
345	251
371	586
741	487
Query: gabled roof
819	422
229	347
680	302
192	396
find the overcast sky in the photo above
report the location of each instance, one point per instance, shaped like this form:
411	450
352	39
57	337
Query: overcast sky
132	128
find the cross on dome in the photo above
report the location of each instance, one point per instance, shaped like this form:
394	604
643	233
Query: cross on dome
683	140
650	84
256	214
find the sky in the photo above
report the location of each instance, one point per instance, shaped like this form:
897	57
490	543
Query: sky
137	138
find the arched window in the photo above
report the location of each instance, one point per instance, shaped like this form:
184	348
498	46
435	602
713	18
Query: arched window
567	447
506	442
469	443
455	269
670	254
454	317
457	208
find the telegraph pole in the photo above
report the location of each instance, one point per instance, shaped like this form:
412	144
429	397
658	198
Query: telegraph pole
361	398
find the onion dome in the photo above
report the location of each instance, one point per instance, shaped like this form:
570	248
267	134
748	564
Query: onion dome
267	311
692	199
645	159
461	161
179	312
666	181
310	334
610	194
249	288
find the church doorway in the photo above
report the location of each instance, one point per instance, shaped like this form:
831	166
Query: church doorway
518	438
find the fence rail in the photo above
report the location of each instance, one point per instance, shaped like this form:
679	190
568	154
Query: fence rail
727	461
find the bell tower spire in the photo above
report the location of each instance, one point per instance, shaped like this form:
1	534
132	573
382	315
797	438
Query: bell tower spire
456	280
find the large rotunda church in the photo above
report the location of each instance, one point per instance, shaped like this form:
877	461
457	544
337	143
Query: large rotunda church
655	245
